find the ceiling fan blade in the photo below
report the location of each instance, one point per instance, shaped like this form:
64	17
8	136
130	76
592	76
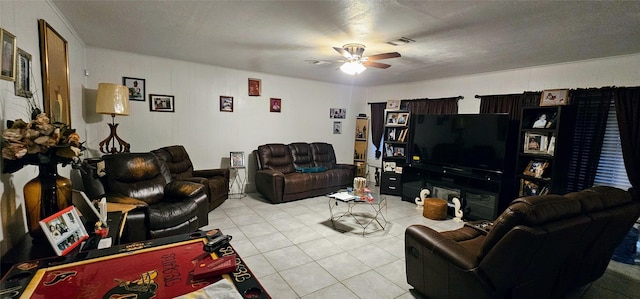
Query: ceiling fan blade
376	64
384	56
342	52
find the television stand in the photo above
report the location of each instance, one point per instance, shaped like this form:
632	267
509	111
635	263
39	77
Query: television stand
481	190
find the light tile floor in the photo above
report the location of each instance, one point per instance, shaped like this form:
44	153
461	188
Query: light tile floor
295	252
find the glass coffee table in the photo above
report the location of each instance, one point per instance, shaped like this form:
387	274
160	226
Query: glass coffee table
365	211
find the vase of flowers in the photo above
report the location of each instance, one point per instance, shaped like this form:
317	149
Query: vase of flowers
46	145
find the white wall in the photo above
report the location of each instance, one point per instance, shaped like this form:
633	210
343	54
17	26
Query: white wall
21	19
207	133
618	71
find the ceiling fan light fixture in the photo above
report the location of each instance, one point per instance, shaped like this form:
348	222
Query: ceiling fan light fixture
352	67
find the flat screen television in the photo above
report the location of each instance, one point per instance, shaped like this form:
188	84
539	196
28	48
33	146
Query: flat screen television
468	141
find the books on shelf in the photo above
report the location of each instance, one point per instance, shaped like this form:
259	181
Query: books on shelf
397	134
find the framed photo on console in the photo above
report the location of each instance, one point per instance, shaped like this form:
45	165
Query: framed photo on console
237	159
64	230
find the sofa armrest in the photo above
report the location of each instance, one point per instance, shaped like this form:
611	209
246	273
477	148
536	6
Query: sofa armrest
270	184
117	198
208	173
179	190
347	166
442	246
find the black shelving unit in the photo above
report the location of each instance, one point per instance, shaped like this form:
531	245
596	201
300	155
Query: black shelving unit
394	158
544	142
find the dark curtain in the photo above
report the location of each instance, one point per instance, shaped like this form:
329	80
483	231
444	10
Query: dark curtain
431	106
377	125
591	110
509	103
627	102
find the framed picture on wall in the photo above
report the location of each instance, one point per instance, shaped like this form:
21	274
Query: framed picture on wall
64	230
337	127
226	104
161	103
54	60
23	75
136	88
255	87
275	105
8	55
337	113
554	97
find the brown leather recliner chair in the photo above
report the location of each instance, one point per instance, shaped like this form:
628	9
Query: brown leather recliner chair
216	181
539	247
164	206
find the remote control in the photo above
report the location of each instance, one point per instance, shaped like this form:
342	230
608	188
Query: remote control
215	243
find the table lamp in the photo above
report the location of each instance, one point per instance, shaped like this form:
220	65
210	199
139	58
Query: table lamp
113	99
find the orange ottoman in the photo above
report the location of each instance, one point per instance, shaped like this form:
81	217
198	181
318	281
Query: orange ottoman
435	208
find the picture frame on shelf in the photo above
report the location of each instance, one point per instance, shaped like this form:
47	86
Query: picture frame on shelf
398	151
8	55
54	61
226	104
530	188
554	97
136	88
64	230
535	143
392	119
389	166
237	159
161	103
255	87
403	119
23	75
393	104
275	105
536	168
552	146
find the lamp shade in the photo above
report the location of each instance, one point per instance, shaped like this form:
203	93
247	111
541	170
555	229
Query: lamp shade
112	99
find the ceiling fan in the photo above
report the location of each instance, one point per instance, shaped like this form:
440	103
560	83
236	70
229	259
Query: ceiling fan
356	63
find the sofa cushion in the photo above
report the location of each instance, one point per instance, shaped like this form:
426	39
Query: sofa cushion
301	153
323	155
177	159
276	156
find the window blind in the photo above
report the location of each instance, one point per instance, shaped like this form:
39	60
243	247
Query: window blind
611	171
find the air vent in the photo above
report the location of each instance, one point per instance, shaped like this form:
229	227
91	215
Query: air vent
401	41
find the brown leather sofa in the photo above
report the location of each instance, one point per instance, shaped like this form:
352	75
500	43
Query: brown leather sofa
283	171
539	247
165	206
216	181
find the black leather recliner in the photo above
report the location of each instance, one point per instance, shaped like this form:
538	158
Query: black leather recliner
216	181
164	207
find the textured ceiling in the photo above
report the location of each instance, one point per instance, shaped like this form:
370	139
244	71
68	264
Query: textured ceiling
452	38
